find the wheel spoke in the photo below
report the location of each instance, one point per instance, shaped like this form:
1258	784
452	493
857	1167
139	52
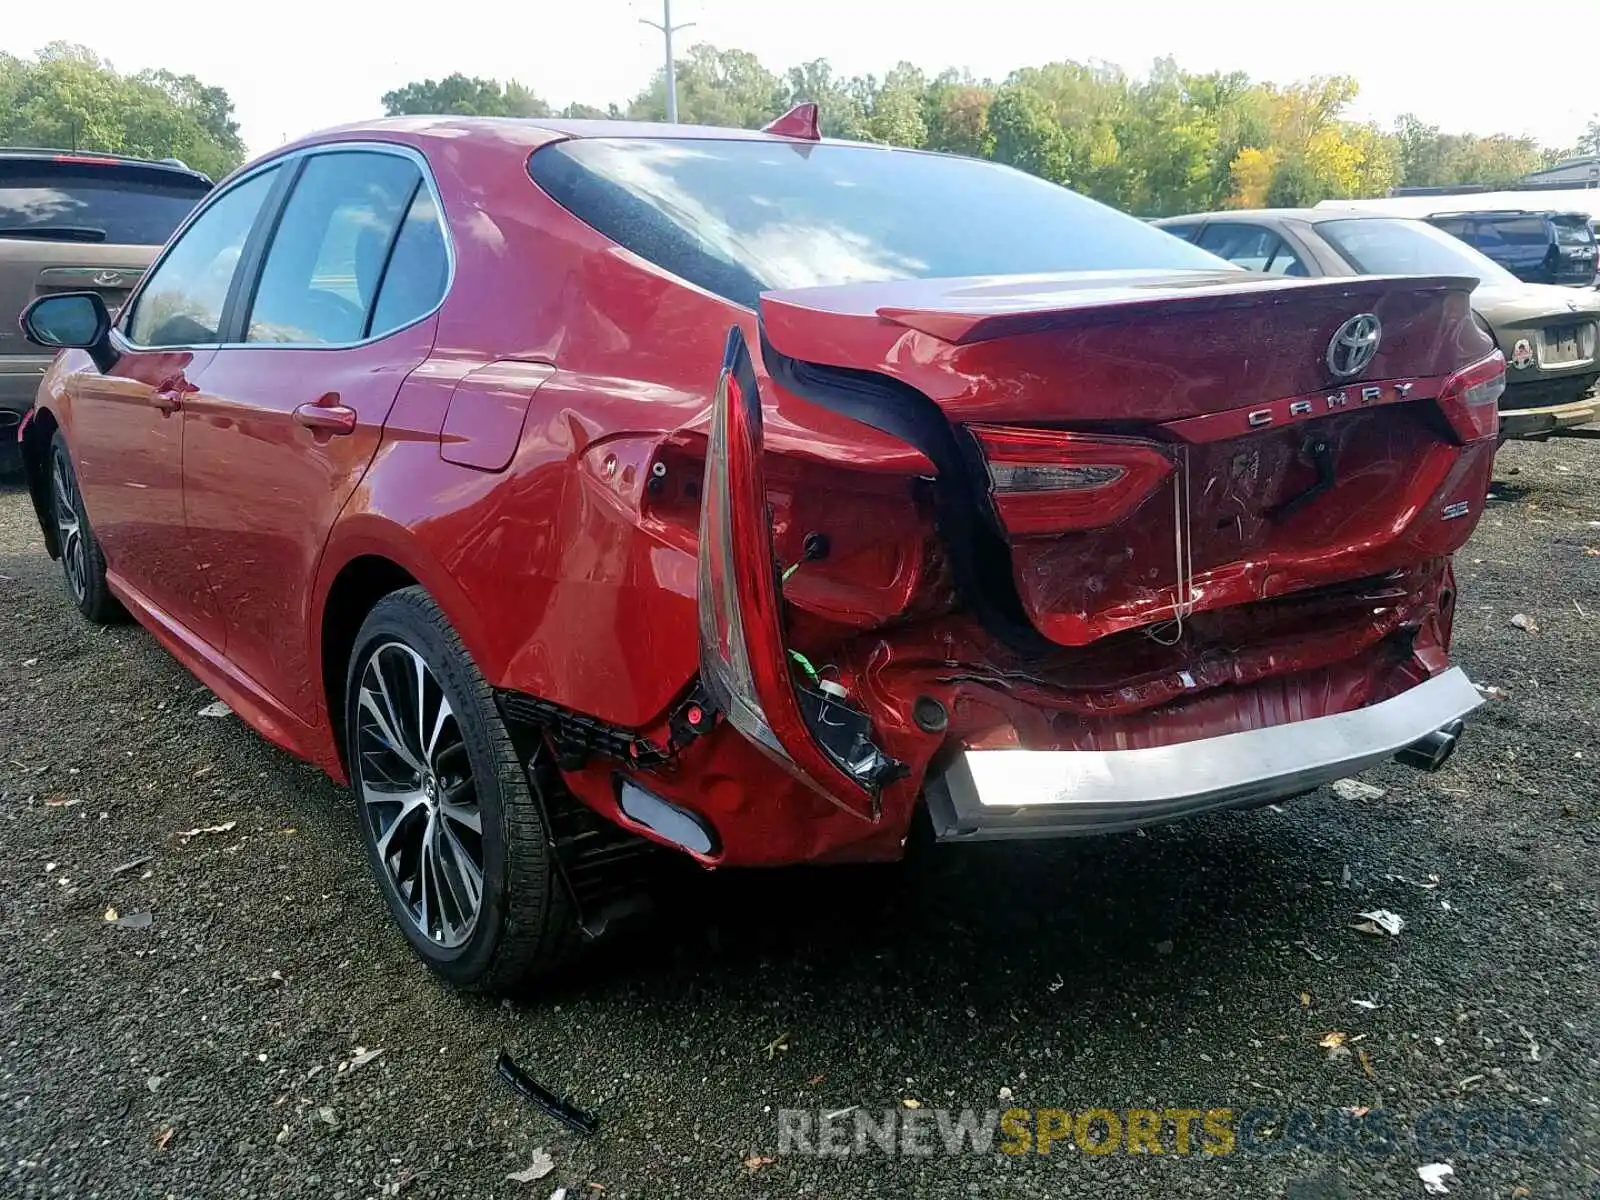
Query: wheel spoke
472	817
408	802
414	781
384	718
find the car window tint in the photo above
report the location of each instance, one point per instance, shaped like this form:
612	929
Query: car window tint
182	303
90	203
414	281
1253	247
742	217
1186	232
1572	231
1514	231
323	266
1397	246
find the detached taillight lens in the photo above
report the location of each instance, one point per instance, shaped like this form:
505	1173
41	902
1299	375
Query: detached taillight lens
1044	481
1470	399
744	664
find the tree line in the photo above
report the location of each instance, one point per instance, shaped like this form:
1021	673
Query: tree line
69	98
1166	142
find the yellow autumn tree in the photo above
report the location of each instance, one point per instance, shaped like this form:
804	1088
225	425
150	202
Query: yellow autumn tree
1251	175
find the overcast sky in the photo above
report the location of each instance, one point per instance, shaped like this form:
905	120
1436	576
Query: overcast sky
292	66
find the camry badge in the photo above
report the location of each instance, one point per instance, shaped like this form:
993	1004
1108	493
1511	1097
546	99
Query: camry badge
1354	344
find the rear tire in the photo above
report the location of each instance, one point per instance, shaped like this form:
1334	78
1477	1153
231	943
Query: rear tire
455	836
82	563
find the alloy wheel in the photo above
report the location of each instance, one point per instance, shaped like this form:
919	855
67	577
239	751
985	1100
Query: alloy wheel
69	529
417	794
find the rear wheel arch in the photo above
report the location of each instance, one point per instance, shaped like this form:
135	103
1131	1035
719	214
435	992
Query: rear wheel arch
357	587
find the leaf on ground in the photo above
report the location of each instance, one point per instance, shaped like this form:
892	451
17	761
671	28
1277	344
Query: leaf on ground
755	1162
163	1136
1305	999
538	1167
1366	1064
360	1058
1333	1039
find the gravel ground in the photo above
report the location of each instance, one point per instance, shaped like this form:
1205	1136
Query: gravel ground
1193	966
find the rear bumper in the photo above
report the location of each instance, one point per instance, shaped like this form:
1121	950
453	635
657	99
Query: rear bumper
1538	422
19	384
1035	794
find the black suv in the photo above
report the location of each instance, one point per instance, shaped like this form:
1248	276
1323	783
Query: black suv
1539	247
75	221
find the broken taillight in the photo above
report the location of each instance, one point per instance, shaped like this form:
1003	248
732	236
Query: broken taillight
1046	481
1470	399
744	664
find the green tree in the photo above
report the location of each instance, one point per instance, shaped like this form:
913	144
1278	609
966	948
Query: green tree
1589	140
463	95
1294	185
68	97
1027	135
956	116
715	87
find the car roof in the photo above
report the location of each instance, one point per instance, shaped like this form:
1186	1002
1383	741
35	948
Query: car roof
45	154
1311	216
532	132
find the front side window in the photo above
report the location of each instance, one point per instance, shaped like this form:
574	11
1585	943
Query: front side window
322	270
742	217
182	302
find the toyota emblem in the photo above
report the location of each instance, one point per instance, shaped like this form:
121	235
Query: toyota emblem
1354	345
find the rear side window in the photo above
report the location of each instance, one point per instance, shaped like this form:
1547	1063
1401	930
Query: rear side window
742	217
1514	231
84	202
327	257
418	267
1253	247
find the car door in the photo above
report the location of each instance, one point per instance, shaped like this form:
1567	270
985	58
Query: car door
125	432
340	306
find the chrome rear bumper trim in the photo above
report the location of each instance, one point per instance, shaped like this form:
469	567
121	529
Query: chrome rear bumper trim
1052	793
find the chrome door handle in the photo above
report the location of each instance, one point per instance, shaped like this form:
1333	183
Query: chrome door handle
326	418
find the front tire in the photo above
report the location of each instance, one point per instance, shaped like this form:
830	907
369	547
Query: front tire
82	563
455	836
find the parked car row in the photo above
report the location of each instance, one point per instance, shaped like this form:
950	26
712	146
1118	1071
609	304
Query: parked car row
586	492
74	222
1547	333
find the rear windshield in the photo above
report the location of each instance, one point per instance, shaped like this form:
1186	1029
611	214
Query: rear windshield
89	203
1572	231
1396	246
742	217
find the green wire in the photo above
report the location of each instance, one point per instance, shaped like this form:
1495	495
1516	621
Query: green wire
805	663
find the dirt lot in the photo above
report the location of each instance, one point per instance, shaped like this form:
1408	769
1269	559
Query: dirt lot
1195	966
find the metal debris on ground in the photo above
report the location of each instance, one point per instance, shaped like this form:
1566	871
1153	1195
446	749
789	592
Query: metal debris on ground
133	864
360	1058
1352	790
537	1094
1381	920
204	831
1433	1176
538	1167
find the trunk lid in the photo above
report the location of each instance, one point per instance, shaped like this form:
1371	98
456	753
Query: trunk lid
31	268
1144	446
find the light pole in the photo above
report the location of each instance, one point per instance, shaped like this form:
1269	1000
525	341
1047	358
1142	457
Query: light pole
667	29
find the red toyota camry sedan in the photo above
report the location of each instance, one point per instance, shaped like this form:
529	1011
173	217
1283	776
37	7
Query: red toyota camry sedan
575	490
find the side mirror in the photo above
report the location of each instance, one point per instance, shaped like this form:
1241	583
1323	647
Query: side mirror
71	321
